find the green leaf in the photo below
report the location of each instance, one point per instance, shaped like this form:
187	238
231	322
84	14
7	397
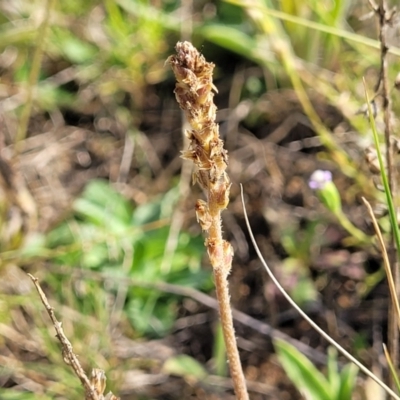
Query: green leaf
103	231
146	213
348	378
100	193
185	366
95	257
333	374
60	236
148	314
307	379
103	217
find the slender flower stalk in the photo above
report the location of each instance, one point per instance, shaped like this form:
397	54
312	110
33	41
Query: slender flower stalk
194	93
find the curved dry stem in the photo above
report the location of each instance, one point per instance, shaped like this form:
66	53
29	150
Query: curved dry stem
364	369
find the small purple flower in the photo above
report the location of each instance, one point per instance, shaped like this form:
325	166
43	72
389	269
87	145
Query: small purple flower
319	179
327	192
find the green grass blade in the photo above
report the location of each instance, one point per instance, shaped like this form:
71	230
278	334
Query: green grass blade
346	35
348	377
392	369
385	181
308	380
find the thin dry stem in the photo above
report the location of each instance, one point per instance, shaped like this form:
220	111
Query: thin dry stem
95	386
385	18
194	93
386	263
364	369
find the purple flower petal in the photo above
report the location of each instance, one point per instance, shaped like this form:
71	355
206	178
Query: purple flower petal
319	179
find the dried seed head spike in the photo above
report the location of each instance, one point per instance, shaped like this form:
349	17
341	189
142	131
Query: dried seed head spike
194	92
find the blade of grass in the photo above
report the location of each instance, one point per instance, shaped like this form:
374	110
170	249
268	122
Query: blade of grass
306	377
346	35
392	368
385	181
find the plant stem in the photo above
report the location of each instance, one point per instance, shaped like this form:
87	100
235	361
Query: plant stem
385	18
225	313
194	93
347	224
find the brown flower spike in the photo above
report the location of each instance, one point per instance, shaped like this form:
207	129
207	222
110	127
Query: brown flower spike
194	93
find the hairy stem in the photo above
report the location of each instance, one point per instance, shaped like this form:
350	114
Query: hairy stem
194	93
225	312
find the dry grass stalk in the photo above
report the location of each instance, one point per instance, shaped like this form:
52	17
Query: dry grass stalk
386	16
386	264
94	387
194	93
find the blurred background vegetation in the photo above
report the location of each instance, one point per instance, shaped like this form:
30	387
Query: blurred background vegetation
95	201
